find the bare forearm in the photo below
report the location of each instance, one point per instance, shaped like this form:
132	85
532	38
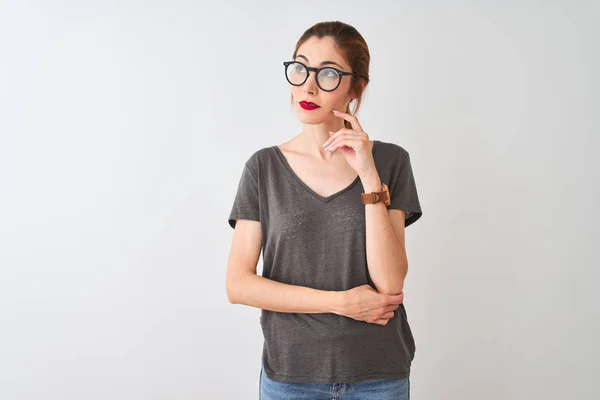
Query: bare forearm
260	292
386	258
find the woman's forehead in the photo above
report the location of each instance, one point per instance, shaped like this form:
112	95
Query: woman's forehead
318	50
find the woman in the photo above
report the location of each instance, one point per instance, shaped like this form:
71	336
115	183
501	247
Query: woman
333	266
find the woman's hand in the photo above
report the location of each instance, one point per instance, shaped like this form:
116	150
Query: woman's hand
363	303
354	143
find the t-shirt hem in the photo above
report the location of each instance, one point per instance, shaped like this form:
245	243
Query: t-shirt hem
243	216
235	216
337	379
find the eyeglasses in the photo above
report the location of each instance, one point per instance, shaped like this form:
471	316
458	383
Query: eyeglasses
328	78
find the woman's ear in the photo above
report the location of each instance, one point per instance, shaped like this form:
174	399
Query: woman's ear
354	95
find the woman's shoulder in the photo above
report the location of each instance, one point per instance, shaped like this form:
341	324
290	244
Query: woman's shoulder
260	157
390	150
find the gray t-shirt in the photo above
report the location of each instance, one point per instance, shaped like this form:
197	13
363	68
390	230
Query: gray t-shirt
319	242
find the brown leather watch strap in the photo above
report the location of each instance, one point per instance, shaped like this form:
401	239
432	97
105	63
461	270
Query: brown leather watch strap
374	197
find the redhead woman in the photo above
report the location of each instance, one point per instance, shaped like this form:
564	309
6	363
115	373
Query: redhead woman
328	209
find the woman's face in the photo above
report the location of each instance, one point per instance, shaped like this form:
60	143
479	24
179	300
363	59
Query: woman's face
313	53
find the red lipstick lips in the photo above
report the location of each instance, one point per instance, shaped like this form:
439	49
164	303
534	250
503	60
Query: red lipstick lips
307	105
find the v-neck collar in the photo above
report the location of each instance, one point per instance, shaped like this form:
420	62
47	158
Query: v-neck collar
324	199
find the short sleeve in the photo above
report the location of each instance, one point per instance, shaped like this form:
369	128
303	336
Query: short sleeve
245	204
403	192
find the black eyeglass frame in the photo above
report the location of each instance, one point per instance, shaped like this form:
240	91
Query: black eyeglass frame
316	70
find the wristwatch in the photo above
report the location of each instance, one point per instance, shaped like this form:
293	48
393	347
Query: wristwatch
374	197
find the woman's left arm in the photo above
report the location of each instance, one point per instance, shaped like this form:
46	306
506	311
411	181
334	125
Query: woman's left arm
386	252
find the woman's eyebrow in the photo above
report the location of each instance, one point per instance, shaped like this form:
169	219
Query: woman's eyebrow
322	63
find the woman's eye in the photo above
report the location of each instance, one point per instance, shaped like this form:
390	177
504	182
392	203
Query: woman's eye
329	73
299	68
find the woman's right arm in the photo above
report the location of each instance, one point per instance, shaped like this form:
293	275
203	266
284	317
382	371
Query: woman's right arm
244	286
267	294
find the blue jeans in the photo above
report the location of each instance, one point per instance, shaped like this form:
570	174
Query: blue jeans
371	389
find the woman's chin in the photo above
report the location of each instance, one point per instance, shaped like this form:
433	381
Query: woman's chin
312	121
312	117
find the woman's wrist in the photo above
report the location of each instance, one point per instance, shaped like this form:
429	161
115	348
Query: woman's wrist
371	183
337	302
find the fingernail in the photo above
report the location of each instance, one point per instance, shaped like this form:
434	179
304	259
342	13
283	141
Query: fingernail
335	111
325	144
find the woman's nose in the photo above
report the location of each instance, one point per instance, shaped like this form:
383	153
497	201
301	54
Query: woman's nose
310	86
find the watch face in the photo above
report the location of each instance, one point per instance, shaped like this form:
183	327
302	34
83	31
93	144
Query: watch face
387	195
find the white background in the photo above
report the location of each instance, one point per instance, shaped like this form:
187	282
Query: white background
124	128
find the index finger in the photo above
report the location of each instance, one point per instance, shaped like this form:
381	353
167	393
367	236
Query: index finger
394	298
350	118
